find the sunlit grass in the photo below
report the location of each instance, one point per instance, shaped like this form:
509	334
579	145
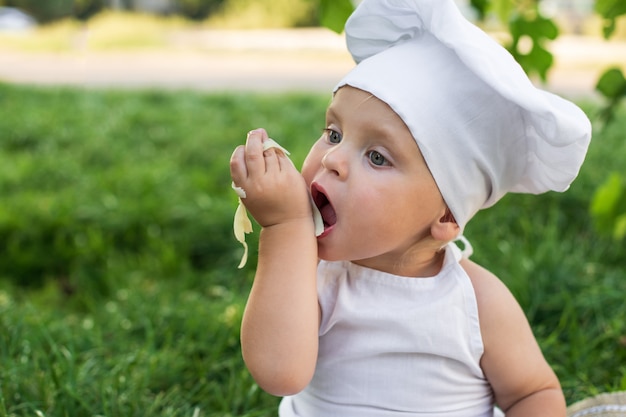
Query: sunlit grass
106	31
244	14
60	36
116	30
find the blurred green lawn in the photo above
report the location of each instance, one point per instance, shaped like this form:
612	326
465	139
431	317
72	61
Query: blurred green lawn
119	292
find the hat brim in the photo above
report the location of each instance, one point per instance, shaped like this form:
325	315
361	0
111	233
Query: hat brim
602	405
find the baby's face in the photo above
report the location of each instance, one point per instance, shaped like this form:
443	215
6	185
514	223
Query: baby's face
370	182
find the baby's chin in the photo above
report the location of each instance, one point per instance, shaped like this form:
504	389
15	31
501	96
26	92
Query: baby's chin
332	256
328	256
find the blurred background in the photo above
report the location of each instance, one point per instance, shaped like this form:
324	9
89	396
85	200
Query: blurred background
119	288
245	44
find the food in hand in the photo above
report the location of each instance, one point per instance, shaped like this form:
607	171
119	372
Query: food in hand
242	223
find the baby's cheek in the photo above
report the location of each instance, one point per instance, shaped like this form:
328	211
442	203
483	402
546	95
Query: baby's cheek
309	168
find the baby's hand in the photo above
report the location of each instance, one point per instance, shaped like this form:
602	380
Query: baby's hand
269	185
275	192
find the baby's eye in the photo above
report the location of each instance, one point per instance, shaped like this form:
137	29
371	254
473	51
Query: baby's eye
333	136
377	159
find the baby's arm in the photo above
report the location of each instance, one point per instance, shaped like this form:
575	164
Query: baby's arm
280	324
523	382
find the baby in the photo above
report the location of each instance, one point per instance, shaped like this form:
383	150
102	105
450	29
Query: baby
382	314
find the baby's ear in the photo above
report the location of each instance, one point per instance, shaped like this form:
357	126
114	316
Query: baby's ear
446	228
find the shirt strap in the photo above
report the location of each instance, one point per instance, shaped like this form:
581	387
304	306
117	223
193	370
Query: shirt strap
466	247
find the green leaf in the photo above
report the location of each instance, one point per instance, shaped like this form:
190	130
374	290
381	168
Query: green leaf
608	207
334	13
620	227
610	10
532	26
541	60
503	9
608	27
607	196
480	6
612	83
545	27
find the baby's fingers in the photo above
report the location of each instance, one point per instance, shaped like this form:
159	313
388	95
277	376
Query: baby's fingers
272	163
255	161
238	170
276	157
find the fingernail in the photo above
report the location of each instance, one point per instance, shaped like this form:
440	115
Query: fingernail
253	132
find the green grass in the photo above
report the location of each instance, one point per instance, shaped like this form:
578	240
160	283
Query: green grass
107	30
119	293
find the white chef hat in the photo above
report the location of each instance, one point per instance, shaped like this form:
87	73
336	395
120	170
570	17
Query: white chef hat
482	127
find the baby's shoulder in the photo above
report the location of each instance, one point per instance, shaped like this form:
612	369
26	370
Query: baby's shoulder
498	310
483	280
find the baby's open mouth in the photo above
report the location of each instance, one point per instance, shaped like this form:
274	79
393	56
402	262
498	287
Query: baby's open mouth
323	205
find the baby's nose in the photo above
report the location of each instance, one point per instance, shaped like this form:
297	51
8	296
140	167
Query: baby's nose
336	161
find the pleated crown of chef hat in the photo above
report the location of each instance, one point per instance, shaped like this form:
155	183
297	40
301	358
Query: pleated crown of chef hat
483	128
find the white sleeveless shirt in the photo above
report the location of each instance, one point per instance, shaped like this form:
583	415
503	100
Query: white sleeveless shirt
396	346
